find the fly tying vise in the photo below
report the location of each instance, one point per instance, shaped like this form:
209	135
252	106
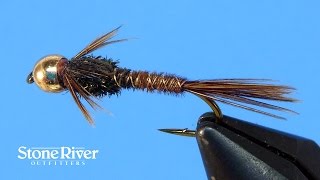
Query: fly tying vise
89	76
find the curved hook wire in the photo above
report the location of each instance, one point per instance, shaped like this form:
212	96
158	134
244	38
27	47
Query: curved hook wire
192	133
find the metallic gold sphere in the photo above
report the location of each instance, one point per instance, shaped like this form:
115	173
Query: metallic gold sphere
45	74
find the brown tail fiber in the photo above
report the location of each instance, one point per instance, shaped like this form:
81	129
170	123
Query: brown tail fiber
242	93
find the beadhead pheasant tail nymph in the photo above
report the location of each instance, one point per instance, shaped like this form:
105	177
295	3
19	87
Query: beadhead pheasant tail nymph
90	76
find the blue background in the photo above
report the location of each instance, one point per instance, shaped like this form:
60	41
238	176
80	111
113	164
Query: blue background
196	39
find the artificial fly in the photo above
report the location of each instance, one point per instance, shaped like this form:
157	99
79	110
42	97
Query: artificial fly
89	76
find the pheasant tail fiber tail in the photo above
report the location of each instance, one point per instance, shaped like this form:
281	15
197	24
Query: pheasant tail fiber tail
242	93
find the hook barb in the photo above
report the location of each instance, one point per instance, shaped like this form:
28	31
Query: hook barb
180	132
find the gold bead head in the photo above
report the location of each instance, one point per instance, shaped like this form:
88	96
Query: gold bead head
45	74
